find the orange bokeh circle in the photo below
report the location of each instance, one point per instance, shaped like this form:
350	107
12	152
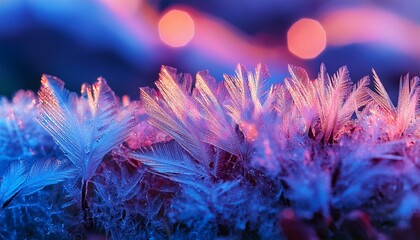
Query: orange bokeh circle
306	38
176	28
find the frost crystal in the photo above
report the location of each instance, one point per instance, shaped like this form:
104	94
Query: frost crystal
198	158
85	128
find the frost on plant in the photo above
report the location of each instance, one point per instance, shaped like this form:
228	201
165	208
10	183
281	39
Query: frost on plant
197	158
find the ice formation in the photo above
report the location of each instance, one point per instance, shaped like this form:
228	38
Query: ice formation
321	158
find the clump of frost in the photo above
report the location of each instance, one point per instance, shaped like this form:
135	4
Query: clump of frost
322	158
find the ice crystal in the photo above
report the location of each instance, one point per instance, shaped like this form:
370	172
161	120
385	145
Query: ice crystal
85	128
17	180
321	158
20	136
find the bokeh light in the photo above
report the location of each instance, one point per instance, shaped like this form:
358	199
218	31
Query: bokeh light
176	28
368	25
306	38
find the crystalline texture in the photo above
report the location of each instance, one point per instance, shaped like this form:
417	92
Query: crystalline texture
85	128
198	158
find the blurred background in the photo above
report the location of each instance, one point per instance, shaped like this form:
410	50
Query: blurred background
127	41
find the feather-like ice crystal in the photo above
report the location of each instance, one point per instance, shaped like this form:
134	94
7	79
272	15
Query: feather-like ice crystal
200	158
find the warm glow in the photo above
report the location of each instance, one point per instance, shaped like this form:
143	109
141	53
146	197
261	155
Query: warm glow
123	6
372	25
176	28
306	38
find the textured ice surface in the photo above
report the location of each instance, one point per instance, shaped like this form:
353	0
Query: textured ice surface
202	159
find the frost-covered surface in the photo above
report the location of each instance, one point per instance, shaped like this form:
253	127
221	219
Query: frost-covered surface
200	159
